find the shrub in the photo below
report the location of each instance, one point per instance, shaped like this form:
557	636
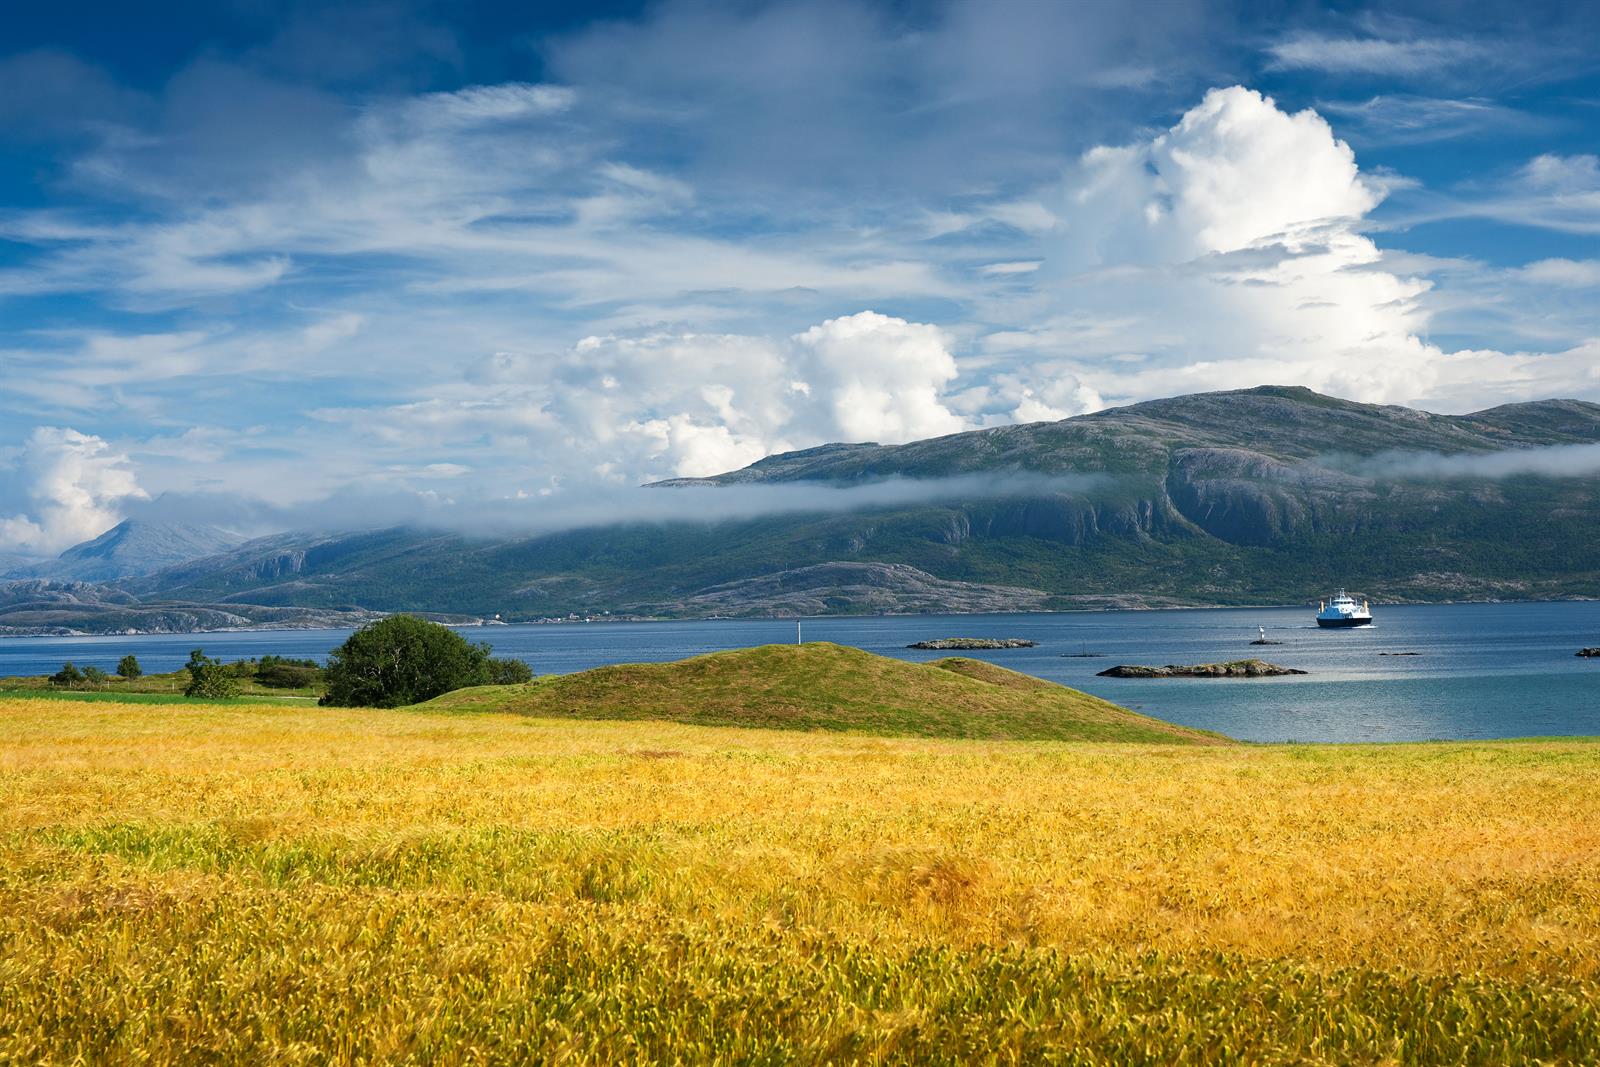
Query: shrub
209	678
402	660
287	661
288	675
507	671
128	667
94	676
68	676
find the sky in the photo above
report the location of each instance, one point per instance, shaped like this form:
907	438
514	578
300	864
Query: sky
262	258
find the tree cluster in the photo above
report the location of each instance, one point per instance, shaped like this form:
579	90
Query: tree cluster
71	676
396	661
405	660
209	678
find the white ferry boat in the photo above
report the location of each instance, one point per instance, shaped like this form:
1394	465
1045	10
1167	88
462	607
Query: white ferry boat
1343	610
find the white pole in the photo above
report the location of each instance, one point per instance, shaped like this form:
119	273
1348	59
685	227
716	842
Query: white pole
797	632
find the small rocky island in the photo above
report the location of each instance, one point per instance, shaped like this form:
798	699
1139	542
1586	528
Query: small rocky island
1239	668
1592	653
972	644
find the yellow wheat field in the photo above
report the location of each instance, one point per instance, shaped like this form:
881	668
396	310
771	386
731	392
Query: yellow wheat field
265	884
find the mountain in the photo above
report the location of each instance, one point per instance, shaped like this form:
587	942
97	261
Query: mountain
133	547
1274	425
1268	495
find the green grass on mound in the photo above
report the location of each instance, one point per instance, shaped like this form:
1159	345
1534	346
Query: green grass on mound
823	686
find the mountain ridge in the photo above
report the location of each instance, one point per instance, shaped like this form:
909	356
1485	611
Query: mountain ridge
1210	418
1236	497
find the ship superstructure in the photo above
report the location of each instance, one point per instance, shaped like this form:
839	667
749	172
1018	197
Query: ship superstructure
1343	610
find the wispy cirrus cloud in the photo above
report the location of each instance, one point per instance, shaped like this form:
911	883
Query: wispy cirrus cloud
1555	192
1403	118
1566	273
1374	54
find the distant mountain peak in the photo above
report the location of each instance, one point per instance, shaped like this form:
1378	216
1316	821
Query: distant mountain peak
135	547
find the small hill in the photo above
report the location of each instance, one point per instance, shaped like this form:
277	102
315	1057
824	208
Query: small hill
823	686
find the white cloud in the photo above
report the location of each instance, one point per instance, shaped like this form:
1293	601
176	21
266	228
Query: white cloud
1025	266
1371	55
493	103
75	488
1567	273
1551	461
635	407
1551	192
694	404
1554	192
882	377
387	251
1228	250
1563	174
1404	119
686	404
1233	172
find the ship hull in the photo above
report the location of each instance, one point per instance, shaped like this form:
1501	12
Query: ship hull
1342	624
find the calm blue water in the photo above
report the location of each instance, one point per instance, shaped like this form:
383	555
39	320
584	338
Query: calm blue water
1486	670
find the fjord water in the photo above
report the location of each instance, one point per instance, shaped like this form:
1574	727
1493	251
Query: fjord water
1481	670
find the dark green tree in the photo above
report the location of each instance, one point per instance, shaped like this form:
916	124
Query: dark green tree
402	660
67	677
94	676
209	678
128	666
504	670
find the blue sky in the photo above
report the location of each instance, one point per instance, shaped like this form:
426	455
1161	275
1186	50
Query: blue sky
263	262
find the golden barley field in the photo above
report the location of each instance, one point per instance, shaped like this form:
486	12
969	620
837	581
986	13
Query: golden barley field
192	884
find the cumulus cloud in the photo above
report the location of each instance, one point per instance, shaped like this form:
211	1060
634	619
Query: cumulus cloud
1233	172
880	377
75	487
702	404
631	407
1229	251
688	404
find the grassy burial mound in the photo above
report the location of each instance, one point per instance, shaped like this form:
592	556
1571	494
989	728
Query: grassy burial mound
824	686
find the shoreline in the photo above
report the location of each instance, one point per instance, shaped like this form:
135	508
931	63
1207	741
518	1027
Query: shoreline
636	620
